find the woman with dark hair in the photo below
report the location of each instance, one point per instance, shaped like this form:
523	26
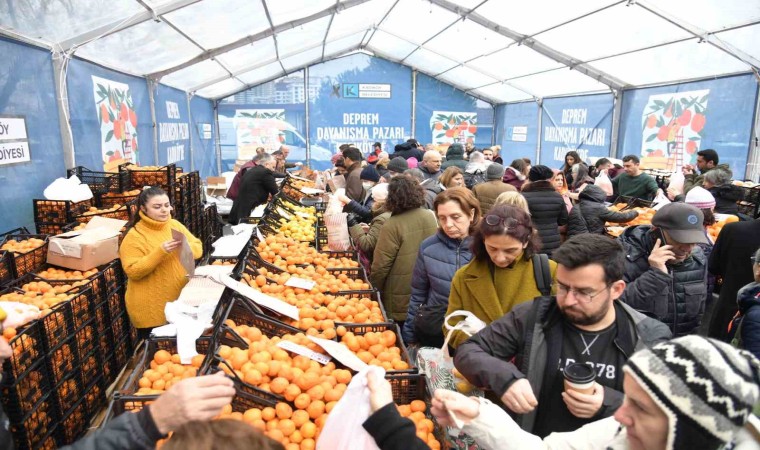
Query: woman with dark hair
500	274
452	177
149	256
571	158
547	207
398	243
516	173
440	256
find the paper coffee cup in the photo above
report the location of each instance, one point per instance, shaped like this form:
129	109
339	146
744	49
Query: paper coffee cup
580	378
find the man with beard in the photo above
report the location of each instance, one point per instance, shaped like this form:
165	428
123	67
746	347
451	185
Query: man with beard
521	357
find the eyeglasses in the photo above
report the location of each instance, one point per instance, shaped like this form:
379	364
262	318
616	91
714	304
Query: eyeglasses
494	220
583	297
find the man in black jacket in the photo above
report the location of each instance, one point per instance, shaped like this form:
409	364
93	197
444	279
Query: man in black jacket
257	185
582	324
665	270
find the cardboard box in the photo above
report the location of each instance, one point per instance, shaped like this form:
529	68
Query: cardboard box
95	245
216	186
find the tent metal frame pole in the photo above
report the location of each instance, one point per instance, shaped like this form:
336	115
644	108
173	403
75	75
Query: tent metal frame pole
307	99
493	126
538	130
753	155
152	98
414	104
190	124
217	140
60	61
616	112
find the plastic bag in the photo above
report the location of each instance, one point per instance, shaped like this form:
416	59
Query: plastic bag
660	201
343	429
675	187
338	239
603	181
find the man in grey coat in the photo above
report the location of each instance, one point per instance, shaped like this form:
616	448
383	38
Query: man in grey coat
521	357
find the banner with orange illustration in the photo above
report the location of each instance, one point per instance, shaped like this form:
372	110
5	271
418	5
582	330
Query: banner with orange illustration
449	127
118	122
672	129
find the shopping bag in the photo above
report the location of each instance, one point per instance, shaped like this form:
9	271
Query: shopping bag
677	180
343	429
660	201
338	239
438	367
603	181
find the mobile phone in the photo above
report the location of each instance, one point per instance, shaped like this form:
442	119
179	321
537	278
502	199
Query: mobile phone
661	236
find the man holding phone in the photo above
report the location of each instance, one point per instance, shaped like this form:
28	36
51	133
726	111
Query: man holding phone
665	271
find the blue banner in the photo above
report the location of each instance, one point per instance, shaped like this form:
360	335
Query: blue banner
110	117
172	119
582	124
445	115
517	130
666	126
27	91
202	136
358	100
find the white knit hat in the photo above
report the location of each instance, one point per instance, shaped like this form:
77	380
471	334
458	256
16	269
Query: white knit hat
701	198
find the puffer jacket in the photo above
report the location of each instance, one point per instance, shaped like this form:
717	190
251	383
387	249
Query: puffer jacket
676	298
726	197
437	261
455	157
548	211
748	300
511	348
590	214
511	176
395	255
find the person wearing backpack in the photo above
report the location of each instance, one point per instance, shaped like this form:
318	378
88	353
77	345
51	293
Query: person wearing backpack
744	331
522	356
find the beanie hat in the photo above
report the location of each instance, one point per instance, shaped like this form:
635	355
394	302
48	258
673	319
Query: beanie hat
380	192
455	151
398	165
701	198
369	173
706	388
335	158
494	171
540	173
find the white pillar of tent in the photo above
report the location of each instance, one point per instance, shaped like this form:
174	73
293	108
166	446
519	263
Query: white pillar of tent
307	99
192	126
60	61
617	96
753	156
217	139
538	131
151	97
414	101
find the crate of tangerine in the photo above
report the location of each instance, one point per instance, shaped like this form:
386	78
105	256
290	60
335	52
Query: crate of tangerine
28	251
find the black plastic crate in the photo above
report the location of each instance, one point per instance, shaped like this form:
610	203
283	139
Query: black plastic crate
63	360
74	423
86	337
27	348
95	397
84	297
7	273
361	329
30	261
21	393
34	428
119	328
124	212
101	182
165	177
115	303
68	392
59	211
92	366
51	228
106	201
243	311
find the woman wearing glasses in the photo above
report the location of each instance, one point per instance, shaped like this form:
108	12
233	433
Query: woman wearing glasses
440	256
500	275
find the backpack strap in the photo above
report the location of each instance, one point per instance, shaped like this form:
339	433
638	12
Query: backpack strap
543	274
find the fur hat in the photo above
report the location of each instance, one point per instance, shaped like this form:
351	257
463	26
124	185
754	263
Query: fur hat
701	198
706	388
495	171
540	173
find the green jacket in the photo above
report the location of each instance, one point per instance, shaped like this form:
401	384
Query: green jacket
395	255
694	179
366	241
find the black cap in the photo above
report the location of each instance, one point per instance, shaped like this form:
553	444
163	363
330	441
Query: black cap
683	223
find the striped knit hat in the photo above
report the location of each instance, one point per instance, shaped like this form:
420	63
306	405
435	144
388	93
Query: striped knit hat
706	388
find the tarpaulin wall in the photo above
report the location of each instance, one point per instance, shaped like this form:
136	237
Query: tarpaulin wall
445	114
202	141
27	89
516	127
667	125
110	117
173	122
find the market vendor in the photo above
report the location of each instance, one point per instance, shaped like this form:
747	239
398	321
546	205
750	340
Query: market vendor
150	258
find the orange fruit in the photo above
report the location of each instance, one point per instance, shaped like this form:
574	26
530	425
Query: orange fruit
308	431
302	401
283	411
300	417
268	413
287	427
315	409
162	356
278	385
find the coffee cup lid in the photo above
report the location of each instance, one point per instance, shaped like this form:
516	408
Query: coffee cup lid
579	373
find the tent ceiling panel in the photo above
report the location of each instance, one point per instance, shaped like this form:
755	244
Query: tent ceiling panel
341	45
710	15
466	78
301	37
141	49
218	26
188	78
559	82
301	59
430	62
266	72
222	88
612	31
257	52
390	45
745	39
157	3
537	15
417	20
286	11
502	93
514	61
679	61
54	21
363	15
466	39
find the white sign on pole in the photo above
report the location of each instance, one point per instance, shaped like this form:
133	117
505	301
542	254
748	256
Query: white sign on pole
14	142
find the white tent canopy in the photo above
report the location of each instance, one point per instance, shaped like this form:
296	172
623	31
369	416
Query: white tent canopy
498	50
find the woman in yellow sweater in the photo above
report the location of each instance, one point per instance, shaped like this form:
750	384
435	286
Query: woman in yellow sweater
150	258
500	275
